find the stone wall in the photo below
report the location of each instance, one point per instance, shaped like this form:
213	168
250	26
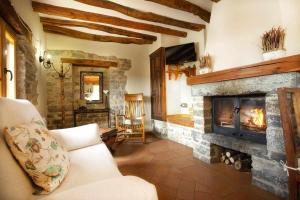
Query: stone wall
114	80
174	132
267	172
26	70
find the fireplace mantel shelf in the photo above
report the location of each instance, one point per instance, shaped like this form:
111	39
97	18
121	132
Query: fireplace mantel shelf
282	65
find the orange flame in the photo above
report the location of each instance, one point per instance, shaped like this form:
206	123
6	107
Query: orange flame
258	117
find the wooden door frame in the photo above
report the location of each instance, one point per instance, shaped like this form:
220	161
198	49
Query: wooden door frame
161	52
5	28
2	91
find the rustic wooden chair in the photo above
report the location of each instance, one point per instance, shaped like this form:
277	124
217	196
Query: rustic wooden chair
131	125
289	103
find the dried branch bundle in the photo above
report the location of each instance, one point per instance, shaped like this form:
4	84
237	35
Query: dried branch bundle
205	61
273	40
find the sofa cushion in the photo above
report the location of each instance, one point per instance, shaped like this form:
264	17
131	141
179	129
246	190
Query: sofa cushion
39	154
14	112
119	188
78	137
90	164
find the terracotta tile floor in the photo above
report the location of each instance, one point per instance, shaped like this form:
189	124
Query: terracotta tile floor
178	176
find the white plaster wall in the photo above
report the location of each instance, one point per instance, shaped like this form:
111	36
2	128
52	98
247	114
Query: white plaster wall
234	31
173	96
290	12
178	92
24	9
236	26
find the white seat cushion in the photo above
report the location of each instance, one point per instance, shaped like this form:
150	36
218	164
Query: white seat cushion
78	137
120	188
89	165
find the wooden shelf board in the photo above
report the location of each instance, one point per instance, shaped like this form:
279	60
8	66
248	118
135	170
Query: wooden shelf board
181	119
282	65
89	62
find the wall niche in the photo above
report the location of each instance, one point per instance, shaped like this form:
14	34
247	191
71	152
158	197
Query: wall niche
114	80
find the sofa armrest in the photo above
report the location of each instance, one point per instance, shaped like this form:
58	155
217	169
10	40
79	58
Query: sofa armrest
78	137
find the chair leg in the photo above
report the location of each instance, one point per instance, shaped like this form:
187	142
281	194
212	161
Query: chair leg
144	136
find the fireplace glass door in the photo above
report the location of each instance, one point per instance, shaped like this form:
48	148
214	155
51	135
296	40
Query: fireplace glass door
252	115
225	117
241	116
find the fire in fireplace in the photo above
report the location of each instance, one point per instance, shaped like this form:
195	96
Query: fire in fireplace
240	116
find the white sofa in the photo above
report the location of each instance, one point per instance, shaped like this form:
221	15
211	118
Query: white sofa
93	173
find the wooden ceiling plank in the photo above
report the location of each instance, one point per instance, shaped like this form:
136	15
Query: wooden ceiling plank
87	16
93	37
185	6
99	27
89	62
138	14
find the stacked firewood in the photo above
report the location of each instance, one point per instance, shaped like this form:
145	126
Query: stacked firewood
240	161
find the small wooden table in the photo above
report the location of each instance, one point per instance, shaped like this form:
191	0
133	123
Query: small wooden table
108	136
86	111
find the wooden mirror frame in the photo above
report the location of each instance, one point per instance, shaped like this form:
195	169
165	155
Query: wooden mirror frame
100	74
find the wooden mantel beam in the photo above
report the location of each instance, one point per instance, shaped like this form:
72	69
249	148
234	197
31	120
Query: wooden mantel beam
185	6
93	37
149	16
89	62
99	27
82	15
277	66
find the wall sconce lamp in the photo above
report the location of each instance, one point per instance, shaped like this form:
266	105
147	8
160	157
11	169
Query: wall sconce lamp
46	60
47	63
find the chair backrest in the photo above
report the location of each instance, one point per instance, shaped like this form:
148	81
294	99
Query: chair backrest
14	183
134	106
289	104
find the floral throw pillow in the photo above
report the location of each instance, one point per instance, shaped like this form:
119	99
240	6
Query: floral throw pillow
39	154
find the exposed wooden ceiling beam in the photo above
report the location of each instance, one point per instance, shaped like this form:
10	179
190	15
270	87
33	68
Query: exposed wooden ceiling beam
89	62
93	37
99	27
77	14
149	16
185	6
10	16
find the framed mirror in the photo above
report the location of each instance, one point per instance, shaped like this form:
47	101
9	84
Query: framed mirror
91	87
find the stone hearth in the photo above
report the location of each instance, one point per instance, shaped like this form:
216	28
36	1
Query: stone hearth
267	172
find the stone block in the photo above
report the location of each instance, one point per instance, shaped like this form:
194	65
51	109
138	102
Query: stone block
275	140
273	120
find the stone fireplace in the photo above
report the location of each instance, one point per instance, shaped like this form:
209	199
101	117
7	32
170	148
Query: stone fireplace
252	125
257	119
